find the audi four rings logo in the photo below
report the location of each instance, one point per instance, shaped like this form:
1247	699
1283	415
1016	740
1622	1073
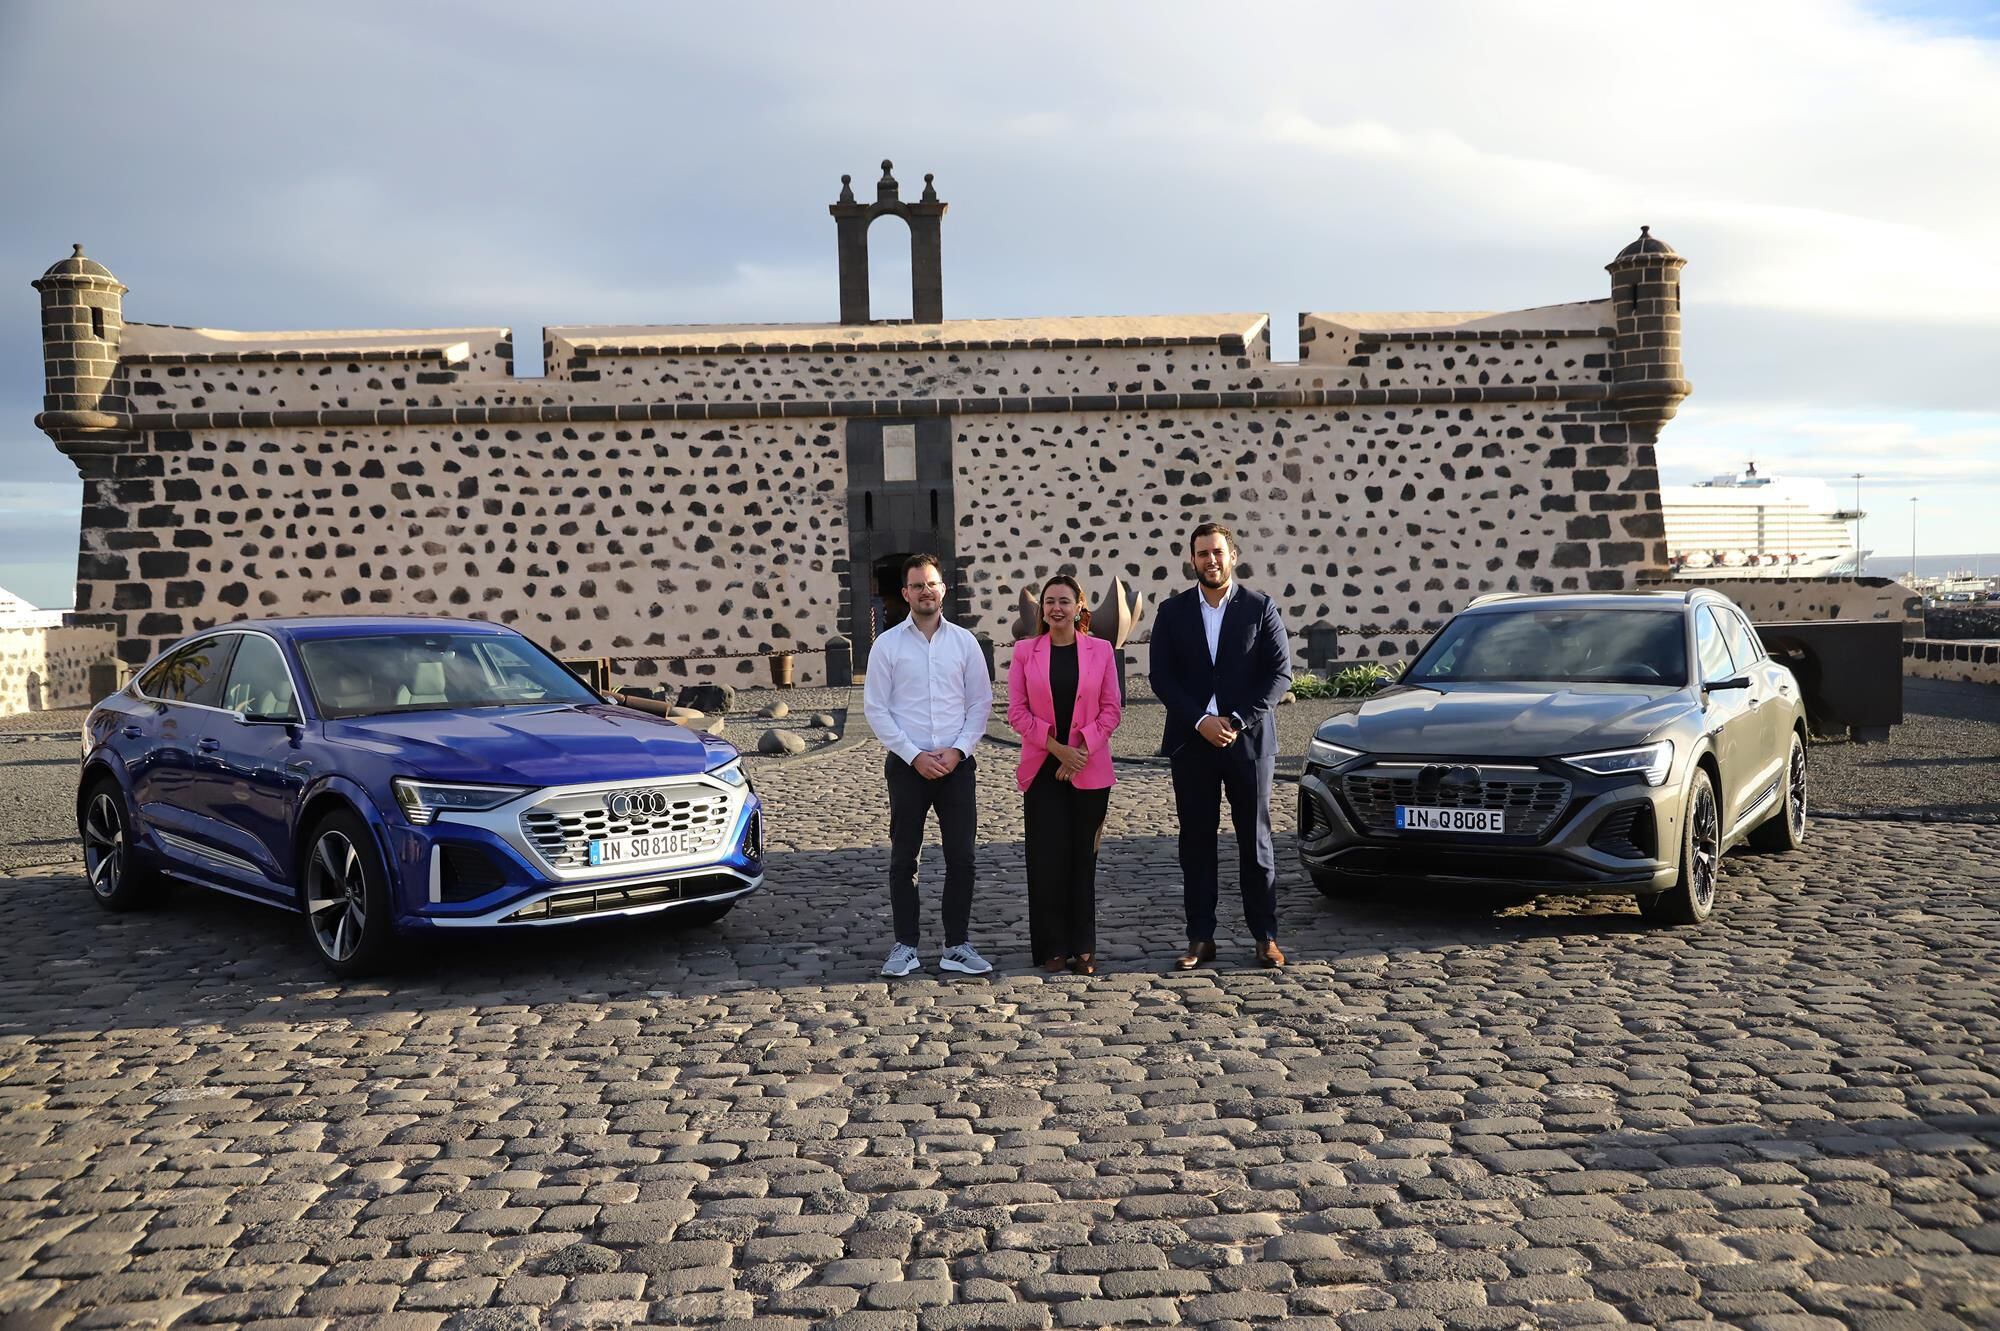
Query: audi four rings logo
625	803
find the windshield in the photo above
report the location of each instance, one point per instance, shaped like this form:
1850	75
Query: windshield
415	672
1558	646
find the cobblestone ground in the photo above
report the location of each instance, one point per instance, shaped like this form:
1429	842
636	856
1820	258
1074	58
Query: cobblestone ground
1439	1116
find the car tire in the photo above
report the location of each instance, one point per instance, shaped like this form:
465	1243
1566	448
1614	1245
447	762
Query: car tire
344	891
119	874
1692	897
694	917
1785	829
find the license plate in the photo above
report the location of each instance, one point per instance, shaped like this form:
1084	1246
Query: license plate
632	849
1412	819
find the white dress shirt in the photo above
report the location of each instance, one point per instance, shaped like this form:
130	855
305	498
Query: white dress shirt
927	693
1211	624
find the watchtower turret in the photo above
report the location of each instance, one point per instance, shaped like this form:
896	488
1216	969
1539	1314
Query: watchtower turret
1647	378
83	319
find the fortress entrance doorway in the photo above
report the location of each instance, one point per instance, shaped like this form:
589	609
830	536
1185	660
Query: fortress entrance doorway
899	503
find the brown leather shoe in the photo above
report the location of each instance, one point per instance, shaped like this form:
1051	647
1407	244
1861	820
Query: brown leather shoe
1198	954
1056	965
1085	963
1269	954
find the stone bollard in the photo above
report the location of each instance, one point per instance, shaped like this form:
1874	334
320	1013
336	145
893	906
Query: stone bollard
986	651
839	663
1322	645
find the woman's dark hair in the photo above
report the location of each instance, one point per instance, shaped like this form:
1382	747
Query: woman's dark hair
1082	610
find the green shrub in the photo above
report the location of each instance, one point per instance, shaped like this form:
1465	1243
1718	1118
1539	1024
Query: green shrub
1355	681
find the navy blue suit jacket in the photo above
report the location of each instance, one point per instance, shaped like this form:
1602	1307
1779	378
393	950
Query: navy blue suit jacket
1251	671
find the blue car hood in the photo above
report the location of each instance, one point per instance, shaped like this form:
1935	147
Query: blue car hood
533	746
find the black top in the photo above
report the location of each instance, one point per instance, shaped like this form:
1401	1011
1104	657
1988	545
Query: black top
1062	688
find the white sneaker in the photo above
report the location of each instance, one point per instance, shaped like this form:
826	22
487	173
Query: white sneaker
964	960
902	961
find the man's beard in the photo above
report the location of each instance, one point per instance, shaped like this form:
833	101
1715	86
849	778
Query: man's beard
927	612
1216	576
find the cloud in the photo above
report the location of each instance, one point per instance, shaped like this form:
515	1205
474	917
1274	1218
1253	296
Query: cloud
1832	172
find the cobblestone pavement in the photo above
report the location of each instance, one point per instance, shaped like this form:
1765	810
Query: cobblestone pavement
1529	1114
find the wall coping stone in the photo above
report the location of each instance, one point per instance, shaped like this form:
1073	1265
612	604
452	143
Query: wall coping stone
613	413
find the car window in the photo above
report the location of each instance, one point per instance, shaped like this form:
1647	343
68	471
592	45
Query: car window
259	684
1743	644
1562	646
1712	649
375	673
190	674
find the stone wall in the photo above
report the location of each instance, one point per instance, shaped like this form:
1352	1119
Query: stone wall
690	498
1952	622
712	541
43	667
1775	600
1970	662
1386	518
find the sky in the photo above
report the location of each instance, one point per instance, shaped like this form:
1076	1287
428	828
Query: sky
1830	170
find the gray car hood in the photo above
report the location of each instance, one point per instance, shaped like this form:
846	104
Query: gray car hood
1507	720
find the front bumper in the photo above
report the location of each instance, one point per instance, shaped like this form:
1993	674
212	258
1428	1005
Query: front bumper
500	868
1597	839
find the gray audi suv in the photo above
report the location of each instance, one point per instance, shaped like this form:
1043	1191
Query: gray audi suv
1617	743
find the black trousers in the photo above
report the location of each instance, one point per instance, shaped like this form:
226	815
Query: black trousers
1202	775
911	797
1062	826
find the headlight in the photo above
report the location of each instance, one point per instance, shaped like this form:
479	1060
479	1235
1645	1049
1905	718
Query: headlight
423	801
1651	760
731	772
1328	755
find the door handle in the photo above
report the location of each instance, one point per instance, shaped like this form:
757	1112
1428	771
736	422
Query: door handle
208	745
133	732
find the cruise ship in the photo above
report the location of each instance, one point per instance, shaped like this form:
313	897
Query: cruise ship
1751	526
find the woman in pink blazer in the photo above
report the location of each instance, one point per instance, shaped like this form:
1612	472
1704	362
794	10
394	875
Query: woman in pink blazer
1062	699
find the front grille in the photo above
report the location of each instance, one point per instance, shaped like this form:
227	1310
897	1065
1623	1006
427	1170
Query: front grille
562	827
1531	801
602	900
1627	833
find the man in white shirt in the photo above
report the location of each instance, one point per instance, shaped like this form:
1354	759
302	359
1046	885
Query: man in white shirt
928	697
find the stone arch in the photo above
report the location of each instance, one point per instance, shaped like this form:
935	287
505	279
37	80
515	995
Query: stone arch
852	220
889	267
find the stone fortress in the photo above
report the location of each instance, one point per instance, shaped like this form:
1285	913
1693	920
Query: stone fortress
690	499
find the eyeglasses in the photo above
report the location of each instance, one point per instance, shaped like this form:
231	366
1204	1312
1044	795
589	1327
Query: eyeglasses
923	586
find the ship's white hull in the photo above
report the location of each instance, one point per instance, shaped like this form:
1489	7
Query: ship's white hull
1757	527
1842	565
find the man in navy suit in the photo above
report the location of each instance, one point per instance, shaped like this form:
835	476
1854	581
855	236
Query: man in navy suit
1221	660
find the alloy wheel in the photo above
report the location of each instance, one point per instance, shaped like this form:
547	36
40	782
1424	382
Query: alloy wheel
104	845
1707	849
337	896
1796	812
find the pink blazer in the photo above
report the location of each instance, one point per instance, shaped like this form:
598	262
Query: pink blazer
1031	709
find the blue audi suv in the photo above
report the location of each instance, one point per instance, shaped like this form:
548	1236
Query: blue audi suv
386	777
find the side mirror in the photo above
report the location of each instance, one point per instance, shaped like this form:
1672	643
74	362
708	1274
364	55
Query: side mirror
1740	682
260	719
